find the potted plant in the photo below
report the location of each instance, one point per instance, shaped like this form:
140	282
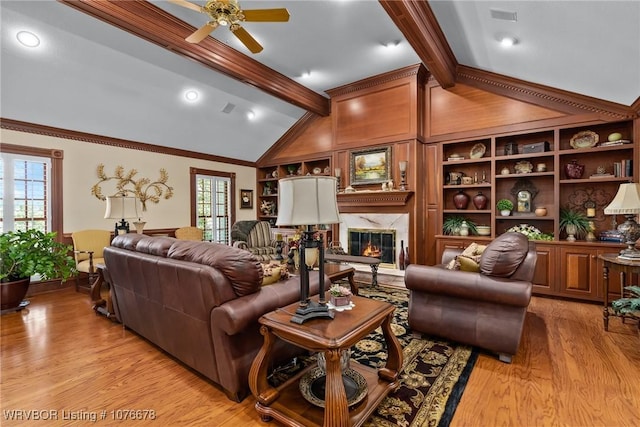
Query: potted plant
339	295
27	253
452	224
504	206
574	223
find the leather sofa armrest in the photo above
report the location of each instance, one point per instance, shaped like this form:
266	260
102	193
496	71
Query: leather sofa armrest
461	284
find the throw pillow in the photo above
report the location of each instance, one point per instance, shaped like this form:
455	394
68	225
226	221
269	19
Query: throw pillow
273	272
468	260
503	256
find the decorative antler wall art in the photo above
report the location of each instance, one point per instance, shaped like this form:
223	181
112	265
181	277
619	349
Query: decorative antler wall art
126	184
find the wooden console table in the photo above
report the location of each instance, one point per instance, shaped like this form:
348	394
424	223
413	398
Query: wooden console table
286	404
625	267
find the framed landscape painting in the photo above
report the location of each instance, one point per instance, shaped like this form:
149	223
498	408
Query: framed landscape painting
370	166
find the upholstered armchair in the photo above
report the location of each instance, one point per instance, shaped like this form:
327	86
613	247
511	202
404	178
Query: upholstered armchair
484	308
255	237
87	250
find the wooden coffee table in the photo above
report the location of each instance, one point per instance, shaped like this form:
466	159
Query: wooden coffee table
286	404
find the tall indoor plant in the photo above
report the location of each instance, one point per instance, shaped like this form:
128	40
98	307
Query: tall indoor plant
27	253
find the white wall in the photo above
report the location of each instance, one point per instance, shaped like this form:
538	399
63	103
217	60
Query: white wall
82	210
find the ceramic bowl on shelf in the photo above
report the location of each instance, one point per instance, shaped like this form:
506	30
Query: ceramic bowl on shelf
483	230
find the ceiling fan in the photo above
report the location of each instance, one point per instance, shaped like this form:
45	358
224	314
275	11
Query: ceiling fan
228	12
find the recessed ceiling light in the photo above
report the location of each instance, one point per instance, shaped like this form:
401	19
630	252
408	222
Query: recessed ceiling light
28	39
191	95
251	115
392	45
306	74
508	41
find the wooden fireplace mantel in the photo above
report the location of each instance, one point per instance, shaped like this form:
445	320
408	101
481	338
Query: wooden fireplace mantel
374	198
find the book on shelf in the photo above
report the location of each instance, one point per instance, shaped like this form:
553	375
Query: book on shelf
626	167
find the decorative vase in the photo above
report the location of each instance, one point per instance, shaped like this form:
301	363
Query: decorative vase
406	258
574	170
505	213
461	200
541	211
464	229
480	201
571	229
401	255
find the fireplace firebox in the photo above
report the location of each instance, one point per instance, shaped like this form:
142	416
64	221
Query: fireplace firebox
374	243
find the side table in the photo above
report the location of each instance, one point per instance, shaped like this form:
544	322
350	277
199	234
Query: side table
286	404
100	305
625	267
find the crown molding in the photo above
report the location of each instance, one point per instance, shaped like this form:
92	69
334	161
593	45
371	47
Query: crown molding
544	96
418	24
37	129
153	24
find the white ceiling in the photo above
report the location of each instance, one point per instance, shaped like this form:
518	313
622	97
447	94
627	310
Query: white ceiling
91	77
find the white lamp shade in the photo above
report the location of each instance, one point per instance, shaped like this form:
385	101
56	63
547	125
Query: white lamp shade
307	200
626	202
121	207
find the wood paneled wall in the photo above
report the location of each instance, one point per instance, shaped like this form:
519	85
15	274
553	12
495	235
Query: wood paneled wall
412	114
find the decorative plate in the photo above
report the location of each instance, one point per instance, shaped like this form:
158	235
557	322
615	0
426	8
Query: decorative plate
312	386
523	167
477	151
584	139
317	171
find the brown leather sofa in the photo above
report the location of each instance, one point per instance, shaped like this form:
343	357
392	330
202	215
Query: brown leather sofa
484	309
198	301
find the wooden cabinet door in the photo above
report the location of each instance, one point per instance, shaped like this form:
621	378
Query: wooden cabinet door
545	274
579	272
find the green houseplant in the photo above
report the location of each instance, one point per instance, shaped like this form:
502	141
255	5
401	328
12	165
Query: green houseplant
27	253
452	223
574	223
504	206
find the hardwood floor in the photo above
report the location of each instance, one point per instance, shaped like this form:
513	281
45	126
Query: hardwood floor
58	356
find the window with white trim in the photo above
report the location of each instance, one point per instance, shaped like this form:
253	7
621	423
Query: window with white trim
213	207
25	192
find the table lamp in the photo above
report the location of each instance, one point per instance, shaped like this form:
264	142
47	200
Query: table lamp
627	203
308	201
122	207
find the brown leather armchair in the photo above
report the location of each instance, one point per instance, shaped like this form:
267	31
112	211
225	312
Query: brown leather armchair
484	309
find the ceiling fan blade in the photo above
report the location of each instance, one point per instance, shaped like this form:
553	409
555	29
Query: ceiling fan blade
266	15
202	32
186	4
247	39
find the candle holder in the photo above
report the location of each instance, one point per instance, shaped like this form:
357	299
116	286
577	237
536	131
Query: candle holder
403	174
337	172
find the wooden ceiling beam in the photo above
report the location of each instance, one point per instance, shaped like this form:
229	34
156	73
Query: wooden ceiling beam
418	24
153	24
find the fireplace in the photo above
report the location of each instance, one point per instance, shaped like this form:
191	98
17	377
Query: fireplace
374	243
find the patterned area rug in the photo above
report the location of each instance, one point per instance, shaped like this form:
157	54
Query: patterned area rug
434	372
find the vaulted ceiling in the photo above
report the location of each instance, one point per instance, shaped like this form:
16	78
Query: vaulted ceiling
120	69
